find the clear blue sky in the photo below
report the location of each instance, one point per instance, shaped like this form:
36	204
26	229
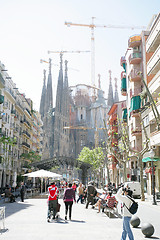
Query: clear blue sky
29	28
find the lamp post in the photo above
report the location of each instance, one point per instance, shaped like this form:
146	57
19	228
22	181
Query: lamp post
152	154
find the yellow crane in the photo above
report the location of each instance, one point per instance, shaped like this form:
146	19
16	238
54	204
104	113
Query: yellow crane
92	26
87	128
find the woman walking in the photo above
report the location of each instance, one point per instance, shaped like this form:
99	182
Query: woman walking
68	198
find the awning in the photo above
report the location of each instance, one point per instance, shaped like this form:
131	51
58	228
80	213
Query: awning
148	159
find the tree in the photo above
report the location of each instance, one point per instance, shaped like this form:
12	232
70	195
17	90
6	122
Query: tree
29	158
94	159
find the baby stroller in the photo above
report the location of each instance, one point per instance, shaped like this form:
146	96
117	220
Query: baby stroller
54	209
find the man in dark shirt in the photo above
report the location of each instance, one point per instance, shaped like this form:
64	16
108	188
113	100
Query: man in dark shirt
91	193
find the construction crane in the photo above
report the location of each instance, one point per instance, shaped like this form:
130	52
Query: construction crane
44	61
62	52
87	128
92	26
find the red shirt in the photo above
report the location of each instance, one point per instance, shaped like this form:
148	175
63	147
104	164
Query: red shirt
111	202
52	192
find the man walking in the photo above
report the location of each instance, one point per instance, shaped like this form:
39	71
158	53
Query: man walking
122	196
22	191
91	193
52	200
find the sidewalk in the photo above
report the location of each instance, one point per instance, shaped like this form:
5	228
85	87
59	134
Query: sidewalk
27	220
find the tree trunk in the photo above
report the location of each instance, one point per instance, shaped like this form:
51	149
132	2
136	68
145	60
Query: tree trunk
141	178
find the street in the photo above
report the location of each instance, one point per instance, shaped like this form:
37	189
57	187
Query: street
28	220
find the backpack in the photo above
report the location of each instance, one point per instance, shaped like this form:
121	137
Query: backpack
134	206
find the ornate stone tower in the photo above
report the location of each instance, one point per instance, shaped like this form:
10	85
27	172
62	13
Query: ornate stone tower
58	126
110	92
46	111
116	97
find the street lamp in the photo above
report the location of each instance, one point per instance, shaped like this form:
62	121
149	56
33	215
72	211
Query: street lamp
152	154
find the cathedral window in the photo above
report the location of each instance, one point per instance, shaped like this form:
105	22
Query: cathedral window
81	116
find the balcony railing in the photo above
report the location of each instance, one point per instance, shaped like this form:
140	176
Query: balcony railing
134	41
27	134
25	144
135	92
134	75
135	58
2	81
10	92
26	122
136	131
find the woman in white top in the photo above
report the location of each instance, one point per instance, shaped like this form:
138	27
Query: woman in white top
122	196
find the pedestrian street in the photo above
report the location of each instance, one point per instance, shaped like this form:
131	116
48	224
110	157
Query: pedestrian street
28	220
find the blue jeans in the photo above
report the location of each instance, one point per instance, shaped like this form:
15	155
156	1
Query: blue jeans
127	229
80	198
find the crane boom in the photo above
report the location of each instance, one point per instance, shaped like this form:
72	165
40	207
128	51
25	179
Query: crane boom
66	52
92	26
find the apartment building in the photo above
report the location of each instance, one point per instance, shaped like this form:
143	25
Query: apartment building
151	115
18	124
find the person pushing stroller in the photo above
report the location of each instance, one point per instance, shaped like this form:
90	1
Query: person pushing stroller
52	201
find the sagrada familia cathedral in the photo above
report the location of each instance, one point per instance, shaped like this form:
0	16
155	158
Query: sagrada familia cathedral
77	120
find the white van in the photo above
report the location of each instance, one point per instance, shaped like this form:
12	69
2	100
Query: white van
135	187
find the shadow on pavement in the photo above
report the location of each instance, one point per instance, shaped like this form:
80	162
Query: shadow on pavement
11	208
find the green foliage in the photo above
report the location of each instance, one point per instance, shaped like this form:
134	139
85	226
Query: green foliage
8	140
31	157
93	157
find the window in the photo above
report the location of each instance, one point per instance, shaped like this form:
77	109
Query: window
81	116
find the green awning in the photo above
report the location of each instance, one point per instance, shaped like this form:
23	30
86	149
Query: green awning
123	84
148	159
124	114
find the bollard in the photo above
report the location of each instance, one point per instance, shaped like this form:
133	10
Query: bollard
147	229
135	221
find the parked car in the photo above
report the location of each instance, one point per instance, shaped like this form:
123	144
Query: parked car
135	187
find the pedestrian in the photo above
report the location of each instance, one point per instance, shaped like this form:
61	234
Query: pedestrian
80	190
52	201
69	196
91	193
22	191
122	196
74	186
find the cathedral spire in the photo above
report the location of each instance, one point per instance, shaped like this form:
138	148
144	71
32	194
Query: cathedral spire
110	91
49	96
116	97
43	96
99	81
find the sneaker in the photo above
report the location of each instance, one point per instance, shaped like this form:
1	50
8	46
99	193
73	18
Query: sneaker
93	207
48	219
65	217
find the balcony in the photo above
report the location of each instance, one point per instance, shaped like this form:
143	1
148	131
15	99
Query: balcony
134	76
135	106
27	123
134	41
124	115
136	131
113	117
13	112
24	144
135	92
4	119
123	87
123	63
2	81
8	90
153	64
27	134
153	39
1	99
135	58
5	105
